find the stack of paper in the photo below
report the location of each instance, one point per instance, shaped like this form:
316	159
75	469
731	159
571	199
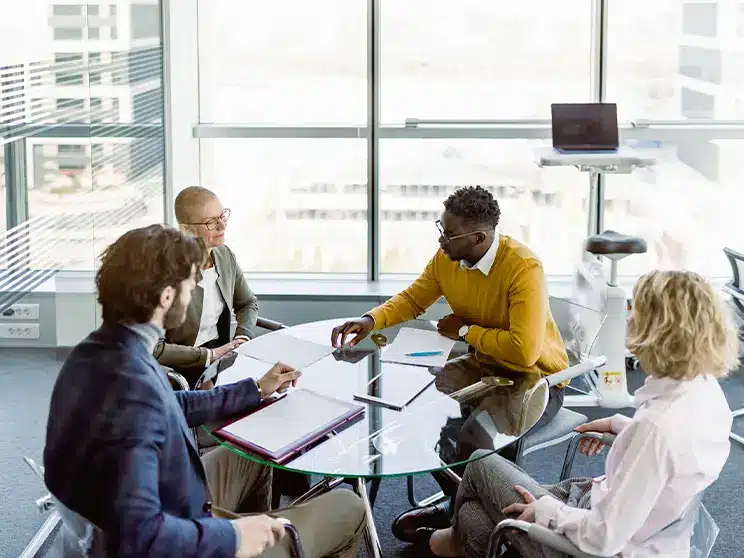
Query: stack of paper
410	342
280	347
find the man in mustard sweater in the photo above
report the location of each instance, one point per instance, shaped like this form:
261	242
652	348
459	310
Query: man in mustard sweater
498	293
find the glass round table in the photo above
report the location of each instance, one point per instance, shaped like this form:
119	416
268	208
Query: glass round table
460	407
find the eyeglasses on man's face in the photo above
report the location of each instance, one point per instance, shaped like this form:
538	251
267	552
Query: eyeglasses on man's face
214	222
447	239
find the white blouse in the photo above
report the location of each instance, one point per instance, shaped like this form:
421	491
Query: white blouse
212	307
673	448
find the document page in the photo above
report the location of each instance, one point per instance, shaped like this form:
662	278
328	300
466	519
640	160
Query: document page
280	347
243	368
290	419
410	342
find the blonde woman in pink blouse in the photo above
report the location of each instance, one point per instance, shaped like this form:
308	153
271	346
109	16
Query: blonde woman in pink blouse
672	449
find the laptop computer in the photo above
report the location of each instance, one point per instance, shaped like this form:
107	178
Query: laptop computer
584	127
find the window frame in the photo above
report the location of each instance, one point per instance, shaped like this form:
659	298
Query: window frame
187	135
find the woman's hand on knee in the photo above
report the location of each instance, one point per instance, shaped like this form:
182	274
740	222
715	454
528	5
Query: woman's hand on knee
526	511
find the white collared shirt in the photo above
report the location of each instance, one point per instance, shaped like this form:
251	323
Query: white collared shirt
486	262
673	448
212	307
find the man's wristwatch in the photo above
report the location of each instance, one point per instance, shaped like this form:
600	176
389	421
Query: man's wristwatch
463	332
260	393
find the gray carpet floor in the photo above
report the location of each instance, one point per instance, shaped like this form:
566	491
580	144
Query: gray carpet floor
28	377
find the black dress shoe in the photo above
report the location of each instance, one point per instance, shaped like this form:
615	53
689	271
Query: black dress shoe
434	517
422	536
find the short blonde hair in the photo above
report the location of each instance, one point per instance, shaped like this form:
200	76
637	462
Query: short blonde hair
680	327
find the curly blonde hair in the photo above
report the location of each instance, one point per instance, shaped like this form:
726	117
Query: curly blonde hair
680	327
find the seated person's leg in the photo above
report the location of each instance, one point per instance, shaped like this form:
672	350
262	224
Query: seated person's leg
487	488
555	402
329	525
457	374
237	484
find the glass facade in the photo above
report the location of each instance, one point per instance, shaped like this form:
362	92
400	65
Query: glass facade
338	127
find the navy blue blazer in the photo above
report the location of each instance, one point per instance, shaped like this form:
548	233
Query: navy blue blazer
119	450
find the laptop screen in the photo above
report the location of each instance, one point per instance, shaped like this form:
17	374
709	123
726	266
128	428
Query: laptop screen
584	126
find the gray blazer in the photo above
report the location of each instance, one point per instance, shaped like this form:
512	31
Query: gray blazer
177	348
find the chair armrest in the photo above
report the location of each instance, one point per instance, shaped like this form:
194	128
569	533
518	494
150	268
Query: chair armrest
584	367
494	543
177	378
606	438
537	533
732	290
271	325
551	539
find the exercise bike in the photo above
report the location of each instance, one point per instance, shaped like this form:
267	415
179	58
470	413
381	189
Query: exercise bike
608	385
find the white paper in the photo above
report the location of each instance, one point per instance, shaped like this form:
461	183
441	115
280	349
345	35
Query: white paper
293	417
411	340
280	347
243	368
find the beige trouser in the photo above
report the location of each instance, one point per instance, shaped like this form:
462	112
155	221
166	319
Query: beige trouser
329	525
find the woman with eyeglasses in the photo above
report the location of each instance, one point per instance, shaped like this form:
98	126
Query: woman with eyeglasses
221	292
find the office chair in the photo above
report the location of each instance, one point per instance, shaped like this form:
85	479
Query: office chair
735	288
579	327
694	522
74	527
78	537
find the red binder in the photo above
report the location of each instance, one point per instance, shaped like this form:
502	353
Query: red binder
335	415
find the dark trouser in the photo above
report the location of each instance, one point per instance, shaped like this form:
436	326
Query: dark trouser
510	452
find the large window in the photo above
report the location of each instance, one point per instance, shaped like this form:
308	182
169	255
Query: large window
335	129
283	62
298	205
289	67
94	155
672	59
544	208
447	60
687	207
477	59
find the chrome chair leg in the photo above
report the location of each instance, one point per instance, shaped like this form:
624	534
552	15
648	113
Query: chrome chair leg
433	499
737	437
42	535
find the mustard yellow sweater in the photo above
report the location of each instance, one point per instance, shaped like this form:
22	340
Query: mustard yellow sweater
508	310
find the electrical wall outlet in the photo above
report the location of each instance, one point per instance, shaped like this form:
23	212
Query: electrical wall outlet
19	330
21	312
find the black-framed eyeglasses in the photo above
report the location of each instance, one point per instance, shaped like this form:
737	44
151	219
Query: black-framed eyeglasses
448	239
214	222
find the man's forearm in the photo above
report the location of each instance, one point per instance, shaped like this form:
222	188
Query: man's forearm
502	344
221	403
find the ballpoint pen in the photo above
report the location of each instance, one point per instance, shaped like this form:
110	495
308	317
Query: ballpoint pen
424	354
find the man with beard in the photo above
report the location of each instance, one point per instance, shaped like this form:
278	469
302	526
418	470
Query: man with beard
498	294
119	450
